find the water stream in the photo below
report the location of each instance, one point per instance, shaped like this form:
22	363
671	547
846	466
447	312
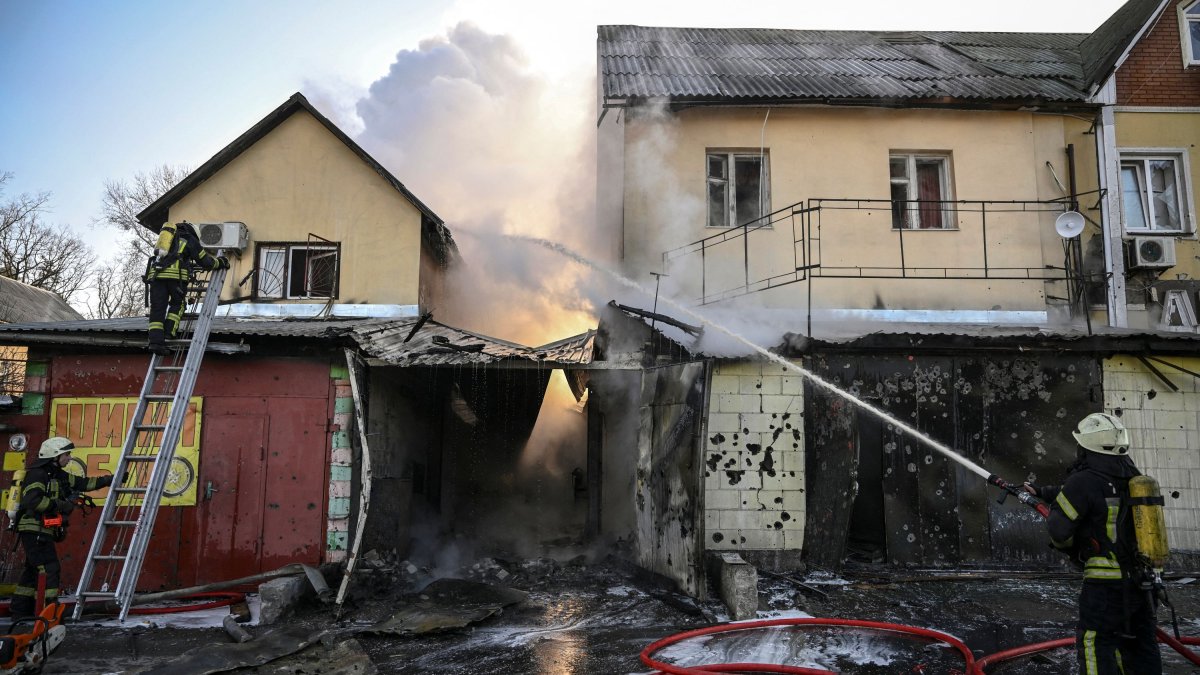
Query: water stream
775	358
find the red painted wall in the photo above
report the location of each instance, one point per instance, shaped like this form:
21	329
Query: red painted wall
264	446
1154	75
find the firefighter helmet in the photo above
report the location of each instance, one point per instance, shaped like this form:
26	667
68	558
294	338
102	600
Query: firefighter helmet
54	446
1102	433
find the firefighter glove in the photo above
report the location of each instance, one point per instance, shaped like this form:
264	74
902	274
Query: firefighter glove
222	262
103	482
64	506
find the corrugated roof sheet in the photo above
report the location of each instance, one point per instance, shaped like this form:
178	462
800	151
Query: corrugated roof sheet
434	344
20	303
647	62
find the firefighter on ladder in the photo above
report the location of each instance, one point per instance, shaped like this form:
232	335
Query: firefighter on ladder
46	499
177	254
1091	520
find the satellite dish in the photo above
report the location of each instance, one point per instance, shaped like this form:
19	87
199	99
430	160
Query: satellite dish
1069	225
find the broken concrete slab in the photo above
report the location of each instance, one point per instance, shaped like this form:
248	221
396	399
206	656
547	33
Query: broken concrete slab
737	583
344	658
210	659
446	604
279	598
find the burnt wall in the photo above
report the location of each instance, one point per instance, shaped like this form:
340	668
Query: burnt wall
1009	413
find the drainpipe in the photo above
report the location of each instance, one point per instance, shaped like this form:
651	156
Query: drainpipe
1110	204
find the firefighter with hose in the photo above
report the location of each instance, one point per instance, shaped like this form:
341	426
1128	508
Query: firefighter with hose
1108	517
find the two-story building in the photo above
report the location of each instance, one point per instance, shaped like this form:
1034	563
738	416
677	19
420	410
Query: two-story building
881	210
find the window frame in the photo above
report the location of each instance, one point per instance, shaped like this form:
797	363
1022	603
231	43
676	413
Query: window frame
731	155
1191	52
1183	181
912	187
288	248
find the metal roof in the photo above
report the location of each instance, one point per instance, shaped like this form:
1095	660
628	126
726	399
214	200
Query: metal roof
384	339
773	64
20	302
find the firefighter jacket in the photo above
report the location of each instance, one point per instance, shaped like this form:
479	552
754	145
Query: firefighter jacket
45	485
183	254
1088	520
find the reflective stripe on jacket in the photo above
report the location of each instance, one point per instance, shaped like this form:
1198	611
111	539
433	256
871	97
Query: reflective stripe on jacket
1086	521
185	253
44	486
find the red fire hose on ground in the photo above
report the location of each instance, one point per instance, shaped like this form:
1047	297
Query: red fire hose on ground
972	666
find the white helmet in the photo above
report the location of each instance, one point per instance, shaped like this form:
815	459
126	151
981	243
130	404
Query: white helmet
54	446
1103	433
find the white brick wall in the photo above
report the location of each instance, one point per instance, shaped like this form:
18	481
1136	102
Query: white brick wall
1165	428
755	409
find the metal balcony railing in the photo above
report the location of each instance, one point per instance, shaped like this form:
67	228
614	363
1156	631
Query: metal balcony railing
860	239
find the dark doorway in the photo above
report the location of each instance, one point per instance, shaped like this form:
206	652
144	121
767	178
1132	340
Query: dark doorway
866	541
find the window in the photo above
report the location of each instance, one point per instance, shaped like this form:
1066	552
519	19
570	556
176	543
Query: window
1154	192
287	270
921	192
1189	31
738	185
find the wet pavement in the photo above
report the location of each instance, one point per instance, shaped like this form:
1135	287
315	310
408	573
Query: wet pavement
595	617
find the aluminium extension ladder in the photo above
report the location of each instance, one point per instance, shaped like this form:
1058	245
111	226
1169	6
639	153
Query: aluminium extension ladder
127	519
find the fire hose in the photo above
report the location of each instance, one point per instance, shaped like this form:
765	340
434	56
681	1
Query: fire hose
973	667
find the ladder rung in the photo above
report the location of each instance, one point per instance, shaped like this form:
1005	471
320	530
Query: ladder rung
149	427
169	369
126	491
175	341
140	458
97	594
121	523
111	557
160	397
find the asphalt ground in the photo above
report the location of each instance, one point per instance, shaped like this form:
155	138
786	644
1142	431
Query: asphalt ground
580	617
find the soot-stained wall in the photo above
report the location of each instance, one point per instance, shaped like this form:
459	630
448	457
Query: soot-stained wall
1010	413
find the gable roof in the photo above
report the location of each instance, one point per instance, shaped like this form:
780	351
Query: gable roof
1101	50
155	215
698	64
22	303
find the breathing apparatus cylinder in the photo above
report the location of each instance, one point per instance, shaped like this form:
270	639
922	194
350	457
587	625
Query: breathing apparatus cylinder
1148	521
14	494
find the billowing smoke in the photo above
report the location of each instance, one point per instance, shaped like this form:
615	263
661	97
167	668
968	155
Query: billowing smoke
494	148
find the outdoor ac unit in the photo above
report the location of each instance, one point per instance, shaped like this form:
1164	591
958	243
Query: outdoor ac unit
1153	252
223	235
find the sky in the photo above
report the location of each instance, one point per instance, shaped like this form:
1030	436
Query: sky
96	91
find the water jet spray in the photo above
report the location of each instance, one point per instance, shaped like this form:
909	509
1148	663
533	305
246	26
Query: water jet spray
1016	490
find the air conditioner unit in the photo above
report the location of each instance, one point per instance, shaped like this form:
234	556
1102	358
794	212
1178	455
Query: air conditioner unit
1153	252
223	235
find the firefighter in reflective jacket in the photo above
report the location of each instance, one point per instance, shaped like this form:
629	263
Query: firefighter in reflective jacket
1089	521
41	519
177	253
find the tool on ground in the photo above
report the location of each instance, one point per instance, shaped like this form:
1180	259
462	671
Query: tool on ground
29	641
127	519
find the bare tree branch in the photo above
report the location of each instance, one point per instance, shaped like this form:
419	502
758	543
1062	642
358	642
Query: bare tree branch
51	258
123	200
118	284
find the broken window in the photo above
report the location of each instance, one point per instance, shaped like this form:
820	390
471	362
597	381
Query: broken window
737	188
297	270
1153	187
920	192
1189	30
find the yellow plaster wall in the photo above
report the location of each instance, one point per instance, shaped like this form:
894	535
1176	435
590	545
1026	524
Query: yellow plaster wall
1169	130
843	153
301	179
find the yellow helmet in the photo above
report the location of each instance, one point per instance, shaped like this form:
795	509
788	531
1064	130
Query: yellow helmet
1102	433
54	446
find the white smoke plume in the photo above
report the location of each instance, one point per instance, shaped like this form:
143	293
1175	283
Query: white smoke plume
494	147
